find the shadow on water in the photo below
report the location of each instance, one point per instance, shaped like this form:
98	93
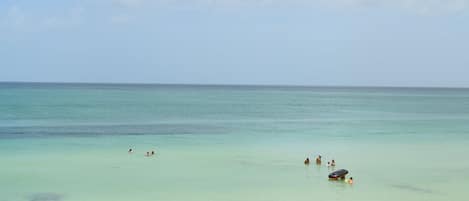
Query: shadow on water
413	188
46	197
116	129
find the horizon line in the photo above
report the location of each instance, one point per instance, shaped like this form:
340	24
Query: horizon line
231	85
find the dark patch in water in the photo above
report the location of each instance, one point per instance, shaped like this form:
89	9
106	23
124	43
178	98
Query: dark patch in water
412	188
121	129
46	197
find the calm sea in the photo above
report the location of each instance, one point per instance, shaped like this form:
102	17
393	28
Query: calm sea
243	143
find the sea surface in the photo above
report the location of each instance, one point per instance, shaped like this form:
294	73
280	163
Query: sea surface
69	142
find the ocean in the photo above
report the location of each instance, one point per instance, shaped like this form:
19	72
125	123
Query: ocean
70	142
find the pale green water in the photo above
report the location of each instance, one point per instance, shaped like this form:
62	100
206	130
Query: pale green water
69	142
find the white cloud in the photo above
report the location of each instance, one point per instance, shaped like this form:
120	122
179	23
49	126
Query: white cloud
72	17
17	18
130	3
419	6
120	19
431	6
123	11
14	16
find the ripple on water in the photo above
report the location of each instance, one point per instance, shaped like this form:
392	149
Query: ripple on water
413	188
46	197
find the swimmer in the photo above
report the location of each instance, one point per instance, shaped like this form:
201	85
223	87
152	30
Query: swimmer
350	181
152	152
328	164
333	163
130	151
148	154
318	160
307	161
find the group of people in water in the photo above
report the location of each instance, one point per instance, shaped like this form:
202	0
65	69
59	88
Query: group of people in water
147	154
330	164
319	161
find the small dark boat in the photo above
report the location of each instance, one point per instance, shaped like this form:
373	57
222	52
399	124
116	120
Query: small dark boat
338	174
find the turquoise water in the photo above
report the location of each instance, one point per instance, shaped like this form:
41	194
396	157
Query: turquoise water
70	141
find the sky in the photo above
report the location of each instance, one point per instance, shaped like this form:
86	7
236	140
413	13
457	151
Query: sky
261	42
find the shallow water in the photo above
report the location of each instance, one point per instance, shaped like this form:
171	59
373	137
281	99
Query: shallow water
70	142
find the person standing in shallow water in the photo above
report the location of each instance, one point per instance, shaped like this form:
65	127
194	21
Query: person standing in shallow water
318	160
307	161
130	151
333	163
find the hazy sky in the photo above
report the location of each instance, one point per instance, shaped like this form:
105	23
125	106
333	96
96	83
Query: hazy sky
294	42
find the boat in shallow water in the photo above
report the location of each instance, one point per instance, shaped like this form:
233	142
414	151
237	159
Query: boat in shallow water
338	174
